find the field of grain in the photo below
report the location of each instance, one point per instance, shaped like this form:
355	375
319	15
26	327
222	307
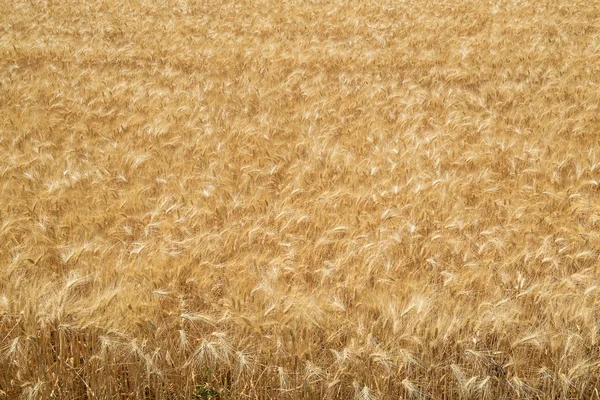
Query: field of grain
281	199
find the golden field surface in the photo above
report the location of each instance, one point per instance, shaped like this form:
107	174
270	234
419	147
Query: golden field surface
323	199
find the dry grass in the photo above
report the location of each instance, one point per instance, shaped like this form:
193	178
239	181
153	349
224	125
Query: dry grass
300	200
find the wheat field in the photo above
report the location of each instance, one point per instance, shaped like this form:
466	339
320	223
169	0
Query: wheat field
282	199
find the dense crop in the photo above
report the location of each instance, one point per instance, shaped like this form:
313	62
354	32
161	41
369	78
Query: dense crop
299	199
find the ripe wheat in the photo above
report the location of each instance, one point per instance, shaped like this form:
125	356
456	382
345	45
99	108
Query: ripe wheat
299	199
